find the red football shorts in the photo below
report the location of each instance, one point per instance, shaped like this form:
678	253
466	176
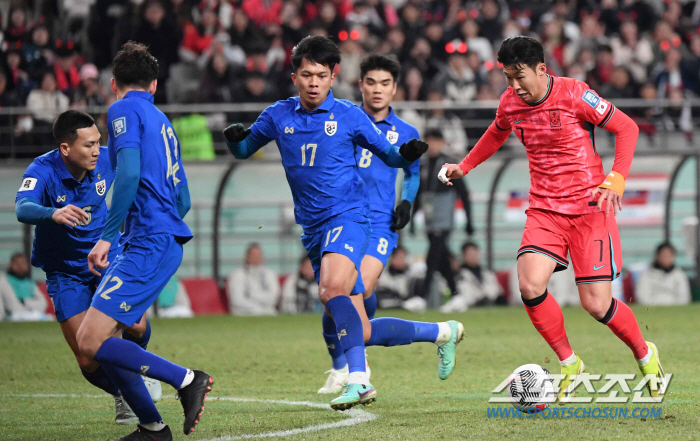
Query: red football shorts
592	240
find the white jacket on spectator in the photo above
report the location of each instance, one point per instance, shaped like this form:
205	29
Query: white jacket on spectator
33	308
658	287
47	106
253	290
474	290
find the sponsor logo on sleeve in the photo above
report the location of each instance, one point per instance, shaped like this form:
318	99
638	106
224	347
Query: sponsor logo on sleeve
28	184
591	98
119	126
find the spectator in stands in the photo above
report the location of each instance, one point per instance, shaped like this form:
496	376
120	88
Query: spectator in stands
620	86
18	26
437	202
253	289
300	290
65	67
244	34
469	33
632	51
663	283
449	125
90	92
161	34
173	301
19	80
199	37
490	22
457	81
218	82
396	283
255	90
101	29
38	53
20	296
477	286
262	12
45	105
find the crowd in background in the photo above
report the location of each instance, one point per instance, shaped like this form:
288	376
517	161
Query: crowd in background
57	53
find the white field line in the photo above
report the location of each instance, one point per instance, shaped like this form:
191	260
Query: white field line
356	416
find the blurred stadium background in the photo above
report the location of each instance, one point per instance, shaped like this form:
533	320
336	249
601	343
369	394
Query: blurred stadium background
225	61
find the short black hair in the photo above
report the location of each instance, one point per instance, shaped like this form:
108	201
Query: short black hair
387	63
469	244
17	255
65	128
521	50
433	133
664	245
318	50
134	66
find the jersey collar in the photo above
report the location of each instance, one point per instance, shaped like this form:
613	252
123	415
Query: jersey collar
325	106
550	85
139	94
63	171
390	118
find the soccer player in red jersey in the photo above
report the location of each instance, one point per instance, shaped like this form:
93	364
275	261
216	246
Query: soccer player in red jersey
571	199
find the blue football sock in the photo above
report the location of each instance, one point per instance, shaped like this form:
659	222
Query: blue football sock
335	349
135	393
100	379
389	331
141	341
128	355
348	326
371	306
427	332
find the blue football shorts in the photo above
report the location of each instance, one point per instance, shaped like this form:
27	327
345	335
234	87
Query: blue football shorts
382	242
348	236
135	279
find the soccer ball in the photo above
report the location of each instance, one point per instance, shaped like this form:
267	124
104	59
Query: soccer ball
531	386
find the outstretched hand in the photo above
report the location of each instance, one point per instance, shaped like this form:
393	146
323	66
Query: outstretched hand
449	172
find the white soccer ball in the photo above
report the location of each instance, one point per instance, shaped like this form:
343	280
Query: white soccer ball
532	387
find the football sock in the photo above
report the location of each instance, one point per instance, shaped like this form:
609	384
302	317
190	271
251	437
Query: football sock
128	355
335	349
134	392
371	306
546	316
389	331
348	326
141	341
622	322
189	376
571	360
154	427
100	379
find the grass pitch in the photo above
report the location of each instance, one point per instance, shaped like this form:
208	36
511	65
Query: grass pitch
279	360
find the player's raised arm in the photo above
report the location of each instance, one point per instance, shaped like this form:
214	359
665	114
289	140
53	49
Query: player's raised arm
490	141
594	109
368	136
243	143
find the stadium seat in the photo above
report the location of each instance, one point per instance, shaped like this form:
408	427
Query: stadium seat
504	280
205	296
49	304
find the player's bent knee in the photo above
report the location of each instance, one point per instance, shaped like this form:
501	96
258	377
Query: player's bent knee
87	364
331	288
530	289
597	308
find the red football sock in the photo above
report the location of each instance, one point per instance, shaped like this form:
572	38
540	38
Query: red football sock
546	316
622	322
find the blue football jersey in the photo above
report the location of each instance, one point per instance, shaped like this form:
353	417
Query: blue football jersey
379	178
61	248
318	155
135	122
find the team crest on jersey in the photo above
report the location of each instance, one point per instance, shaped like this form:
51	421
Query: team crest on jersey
119	126
591	98
101	187
554	118
392	136
331	127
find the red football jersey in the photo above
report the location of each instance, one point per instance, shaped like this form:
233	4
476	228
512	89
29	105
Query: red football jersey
557	132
